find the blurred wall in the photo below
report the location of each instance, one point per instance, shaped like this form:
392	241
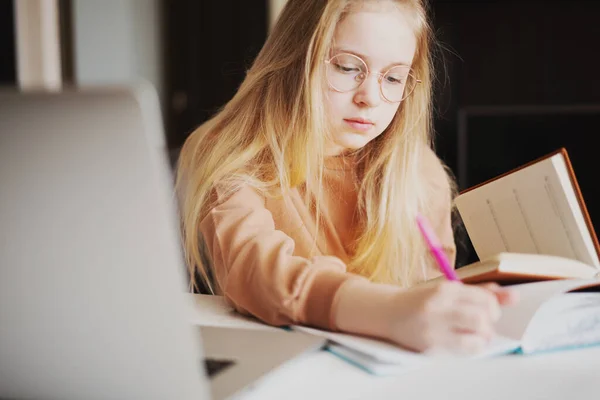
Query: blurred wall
117	41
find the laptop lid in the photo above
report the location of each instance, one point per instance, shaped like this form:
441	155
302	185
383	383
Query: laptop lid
91	277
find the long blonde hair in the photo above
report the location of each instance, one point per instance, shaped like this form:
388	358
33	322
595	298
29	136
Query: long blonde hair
271	136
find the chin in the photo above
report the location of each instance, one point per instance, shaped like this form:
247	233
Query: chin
353	140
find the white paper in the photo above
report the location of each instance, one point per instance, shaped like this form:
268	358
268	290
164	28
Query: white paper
208	310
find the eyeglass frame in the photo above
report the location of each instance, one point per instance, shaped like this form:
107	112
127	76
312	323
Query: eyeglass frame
369	72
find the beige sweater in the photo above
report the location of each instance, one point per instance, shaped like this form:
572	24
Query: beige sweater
263	256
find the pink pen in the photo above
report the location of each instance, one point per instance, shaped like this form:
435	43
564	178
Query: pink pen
436	248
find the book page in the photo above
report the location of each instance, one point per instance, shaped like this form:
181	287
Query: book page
533	210
370	364
376	350
567	321
516	319
382	358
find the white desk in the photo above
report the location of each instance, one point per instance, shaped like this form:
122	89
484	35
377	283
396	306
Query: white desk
321	375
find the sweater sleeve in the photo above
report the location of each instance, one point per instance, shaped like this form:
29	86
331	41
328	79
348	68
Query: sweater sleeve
256	269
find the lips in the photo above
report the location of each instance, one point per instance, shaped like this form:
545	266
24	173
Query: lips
359	121
359	124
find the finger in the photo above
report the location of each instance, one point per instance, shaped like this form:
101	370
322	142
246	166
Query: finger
480	297
505	296
491	286
471	319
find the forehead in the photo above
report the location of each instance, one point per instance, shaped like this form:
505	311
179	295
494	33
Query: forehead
383	35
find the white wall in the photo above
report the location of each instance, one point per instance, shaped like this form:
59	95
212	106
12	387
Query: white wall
117	41
37	44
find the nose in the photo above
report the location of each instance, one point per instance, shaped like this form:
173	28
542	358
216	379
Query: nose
368	93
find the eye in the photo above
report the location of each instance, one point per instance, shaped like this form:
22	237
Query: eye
347	68
395	79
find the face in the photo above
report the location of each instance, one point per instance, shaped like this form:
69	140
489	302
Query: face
382	37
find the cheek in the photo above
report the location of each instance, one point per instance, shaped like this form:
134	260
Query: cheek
387	113
336	103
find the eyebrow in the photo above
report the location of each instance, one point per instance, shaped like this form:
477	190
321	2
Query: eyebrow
337	50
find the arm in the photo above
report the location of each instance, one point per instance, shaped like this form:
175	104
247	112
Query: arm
257	271
446	314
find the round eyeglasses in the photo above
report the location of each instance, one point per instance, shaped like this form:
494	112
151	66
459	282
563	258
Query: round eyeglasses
346	72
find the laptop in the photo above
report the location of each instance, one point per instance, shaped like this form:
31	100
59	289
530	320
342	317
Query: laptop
92	282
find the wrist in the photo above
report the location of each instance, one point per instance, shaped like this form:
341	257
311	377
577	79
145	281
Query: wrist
362	307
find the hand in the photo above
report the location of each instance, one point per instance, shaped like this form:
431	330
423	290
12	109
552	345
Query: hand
449	316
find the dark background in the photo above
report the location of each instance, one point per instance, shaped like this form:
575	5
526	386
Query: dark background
523	76
516	79
8	72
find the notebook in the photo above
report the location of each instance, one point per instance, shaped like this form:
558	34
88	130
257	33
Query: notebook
551	315
519	220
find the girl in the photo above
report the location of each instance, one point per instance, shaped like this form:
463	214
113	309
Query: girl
299	197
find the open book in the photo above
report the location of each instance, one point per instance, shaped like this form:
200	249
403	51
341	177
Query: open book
551	315
533	210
